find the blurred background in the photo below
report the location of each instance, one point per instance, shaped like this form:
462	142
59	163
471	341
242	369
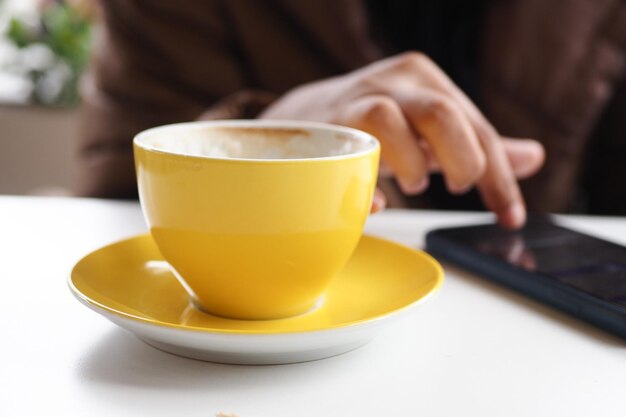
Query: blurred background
44	46
552	71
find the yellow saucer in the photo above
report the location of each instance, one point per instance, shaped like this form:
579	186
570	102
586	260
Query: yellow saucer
131	284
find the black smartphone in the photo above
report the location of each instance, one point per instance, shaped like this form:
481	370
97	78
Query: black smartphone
574	272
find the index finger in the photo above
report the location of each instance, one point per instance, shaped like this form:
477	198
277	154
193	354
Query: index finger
498	186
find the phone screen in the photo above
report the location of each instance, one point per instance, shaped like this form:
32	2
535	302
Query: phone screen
592	265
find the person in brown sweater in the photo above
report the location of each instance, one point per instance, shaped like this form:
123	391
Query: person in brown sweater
444	85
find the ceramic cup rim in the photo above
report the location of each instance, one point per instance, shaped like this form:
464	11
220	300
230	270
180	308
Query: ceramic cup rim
372	144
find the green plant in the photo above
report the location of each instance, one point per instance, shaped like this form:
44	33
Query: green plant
67	34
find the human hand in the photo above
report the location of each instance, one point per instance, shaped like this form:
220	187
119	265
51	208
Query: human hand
425	123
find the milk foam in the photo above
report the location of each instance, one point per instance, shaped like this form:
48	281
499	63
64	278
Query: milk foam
256	143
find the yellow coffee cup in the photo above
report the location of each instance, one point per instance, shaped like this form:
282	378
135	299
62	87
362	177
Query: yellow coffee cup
256	217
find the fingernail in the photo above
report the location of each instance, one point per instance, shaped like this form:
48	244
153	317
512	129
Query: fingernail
514	216
455	189
415	188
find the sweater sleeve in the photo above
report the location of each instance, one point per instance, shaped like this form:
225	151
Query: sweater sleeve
156	63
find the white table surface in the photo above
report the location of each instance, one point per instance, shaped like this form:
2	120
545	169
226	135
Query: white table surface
474	350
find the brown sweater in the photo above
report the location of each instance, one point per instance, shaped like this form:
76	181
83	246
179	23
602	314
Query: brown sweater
551	70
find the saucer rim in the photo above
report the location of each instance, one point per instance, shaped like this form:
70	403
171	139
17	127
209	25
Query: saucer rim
95	305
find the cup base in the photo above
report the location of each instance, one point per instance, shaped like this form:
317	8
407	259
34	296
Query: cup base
310	308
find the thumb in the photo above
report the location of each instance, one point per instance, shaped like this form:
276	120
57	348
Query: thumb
526	156
379	201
